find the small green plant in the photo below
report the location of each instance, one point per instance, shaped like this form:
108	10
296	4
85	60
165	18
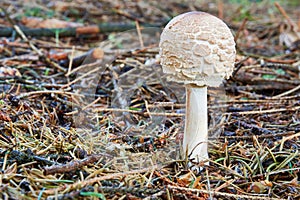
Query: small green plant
46	73
1	102
38	12
93	194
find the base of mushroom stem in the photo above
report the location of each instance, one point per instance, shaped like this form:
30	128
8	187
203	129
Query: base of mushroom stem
199	153
197	168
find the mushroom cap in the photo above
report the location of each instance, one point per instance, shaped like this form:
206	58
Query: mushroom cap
197	48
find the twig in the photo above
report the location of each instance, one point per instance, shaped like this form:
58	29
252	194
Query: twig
91	104
45	46
79	68
138	29
155	196
294	26
129	189
93	55
284	139
208	184
239	65
22	157
48	61
254	128
73	165
84	183
236	196
74	32
71	62
286	92
220	9
123	13
240	29
264	111
137	112
86	74
23	95
258	136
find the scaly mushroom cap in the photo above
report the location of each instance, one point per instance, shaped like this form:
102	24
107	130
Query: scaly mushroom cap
197	48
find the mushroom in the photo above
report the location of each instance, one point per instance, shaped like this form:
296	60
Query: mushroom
197	49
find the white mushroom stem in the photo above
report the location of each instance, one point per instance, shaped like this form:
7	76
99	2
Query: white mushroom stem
195	132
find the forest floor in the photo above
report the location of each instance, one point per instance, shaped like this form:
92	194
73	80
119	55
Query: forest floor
86	112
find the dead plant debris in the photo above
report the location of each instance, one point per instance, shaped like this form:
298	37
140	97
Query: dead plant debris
93	117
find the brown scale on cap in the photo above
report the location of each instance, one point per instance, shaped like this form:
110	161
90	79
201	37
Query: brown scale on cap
197	48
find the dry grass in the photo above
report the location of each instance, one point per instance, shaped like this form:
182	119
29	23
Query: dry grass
111	128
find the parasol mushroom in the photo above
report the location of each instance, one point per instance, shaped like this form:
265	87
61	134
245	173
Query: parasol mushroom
197	49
